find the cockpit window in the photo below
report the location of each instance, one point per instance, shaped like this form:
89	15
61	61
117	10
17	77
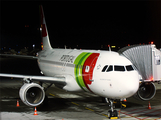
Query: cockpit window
129	68
110	68
119	68
103	70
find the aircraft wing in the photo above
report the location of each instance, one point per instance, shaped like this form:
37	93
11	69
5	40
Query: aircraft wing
19	56
48	79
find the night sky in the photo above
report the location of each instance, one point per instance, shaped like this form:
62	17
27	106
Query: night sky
88	24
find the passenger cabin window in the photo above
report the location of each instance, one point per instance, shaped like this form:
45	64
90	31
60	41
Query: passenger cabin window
119	68
110	68
103	70
129	68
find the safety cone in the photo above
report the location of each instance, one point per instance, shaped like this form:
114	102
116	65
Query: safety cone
18	103
35	113
149	106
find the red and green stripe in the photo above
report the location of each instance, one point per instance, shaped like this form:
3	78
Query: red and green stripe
82	77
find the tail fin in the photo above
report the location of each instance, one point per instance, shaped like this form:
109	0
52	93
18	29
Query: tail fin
45	37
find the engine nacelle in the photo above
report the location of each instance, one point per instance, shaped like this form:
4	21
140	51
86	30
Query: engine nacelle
146	91
32	94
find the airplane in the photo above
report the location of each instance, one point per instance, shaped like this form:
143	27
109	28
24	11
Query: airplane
104	73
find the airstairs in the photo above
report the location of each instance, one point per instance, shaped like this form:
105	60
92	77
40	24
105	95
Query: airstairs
146	59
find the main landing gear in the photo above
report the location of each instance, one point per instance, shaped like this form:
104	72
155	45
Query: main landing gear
112	113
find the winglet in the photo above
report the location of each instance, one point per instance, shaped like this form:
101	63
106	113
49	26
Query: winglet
43	29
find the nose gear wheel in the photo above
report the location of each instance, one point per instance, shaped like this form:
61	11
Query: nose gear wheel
112	113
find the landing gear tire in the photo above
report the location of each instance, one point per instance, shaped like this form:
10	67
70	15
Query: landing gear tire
115	113
112	114
109	114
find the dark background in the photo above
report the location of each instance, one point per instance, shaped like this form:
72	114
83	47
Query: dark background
81	24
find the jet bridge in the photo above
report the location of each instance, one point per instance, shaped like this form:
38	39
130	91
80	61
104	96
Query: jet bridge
146	59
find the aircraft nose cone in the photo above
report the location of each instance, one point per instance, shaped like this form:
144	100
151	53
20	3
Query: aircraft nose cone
132	89
131	85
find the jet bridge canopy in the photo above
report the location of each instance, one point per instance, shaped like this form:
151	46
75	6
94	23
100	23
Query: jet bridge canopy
145	58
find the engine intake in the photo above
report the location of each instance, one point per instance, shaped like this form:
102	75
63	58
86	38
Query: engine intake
32	94
146	91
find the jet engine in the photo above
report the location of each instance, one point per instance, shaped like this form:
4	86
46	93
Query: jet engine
32	94
146	91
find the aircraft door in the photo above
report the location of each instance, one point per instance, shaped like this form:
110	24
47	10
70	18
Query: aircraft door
89	66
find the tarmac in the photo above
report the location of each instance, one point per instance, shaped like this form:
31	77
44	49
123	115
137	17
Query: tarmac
64	105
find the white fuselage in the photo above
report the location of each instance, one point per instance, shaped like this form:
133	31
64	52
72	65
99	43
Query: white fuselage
104	73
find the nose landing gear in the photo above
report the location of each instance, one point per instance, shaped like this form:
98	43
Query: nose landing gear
112	113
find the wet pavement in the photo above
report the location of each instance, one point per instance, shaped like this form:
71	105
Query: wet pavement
65	105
